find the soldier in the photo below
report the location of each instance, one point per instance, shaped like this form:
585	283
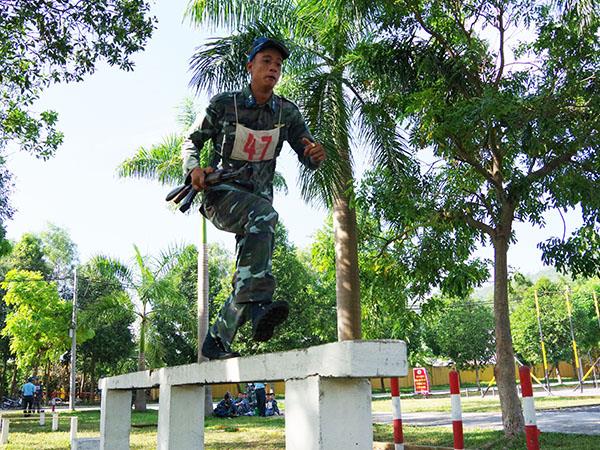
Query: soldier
248	127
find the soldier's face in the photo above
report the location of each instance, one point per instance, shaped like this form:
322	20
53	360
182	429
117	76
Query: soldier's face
265	68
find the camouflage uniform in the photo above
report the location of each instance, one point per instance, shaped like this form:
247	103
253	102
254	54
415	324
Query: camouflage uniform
244	208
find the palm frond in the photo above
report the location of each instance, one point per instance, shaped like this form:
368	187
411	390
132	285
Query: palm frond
326	112
378	128
236	14
161	162
187	113
220	65
110	267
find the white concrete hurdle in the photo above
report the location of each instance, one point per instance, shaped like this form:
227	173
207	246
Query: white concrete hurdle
81	443
319	380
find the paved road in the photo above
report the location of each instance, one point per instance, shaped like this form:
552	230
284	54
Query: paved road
582	420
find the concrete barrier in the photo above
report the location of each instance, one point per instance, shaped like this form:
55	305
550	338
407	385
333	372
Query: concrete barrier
328	395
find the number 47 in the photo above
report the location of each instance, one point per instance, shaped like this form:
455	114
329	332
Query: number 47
250	147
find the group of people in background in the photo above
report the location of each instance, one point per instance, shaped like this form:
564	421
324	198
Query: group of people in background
32	392
253	402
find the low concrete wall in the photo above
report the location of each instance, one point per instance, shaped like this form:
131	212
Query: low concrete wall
319	380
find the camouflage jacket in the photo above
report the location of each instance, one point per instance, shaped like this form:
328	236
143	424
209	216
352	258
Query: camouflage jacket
218	124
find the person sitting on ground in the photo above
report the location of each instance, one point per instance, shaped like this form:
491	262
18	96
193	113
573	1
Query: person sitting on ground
271	408
225	407
251	394
242	405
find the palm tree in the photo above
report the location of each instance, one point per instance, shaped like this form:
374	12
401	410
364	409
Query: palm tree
326	40
151	284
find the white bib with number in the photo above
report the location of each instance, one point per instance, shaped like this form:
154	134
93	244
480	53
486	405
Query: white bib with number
254	145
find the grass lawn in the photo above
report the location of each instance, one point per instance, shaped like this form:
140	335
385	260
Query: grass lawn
266	433
477	404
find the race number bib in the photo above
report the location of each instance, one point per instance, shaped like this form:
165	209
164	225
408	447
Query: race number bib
254	145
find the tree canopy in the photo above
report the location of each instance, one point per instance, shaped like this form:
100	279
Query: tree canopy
59	41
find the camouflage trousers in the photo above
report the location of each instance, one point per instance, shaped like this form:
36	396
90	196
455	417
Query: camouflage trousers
252	219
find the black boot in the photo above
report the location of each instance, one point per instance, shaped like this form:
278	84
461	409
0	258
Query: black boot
213	349
265	317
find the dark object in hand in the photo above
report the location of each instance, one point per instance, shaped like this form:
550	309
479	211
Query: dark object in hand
185	193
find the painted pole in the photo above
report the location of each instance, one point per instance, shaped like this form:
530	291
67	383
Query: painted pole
575	353
73	432
457	424
531	429
539	321
397	415
4	432
596	306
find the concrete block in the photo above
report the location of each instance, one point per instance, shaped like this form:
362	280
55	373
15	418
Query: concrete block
115	419
4	431
346	359
328	414
181	417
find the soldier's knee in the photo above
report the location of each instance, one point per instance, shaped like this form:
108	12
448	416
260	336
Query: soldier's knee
262	219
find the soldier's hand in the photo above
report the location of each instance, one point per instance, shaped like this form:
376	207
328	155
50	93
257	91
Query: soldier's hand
314	150
198	175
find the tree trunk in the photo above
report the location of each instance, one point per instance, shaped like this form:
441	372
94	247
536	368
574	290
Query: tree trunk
3	379
93	378
512	415
203	312
477	380
13	383
140	394
558	377
346	269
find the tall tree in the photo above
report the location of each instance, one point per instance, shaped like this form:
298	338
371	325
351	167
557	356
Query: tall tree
38	321
513	127
162	162
323	37
28	254
106	309
150	283
463	330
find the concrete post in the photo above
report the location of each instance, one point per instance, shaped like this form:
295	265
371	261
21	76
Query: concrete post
55	422
42	419
4	432
73	433
115	419
328	414
181	417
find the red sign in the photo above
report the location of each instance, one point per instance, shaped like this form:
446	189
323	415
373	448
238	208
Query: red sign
421	380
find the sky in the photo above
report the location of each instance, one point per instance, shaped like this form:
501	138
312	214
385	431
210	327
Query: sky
111	114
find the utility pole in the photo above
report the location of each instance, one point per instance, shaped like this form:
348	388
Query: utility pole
575	353
73	334
539	321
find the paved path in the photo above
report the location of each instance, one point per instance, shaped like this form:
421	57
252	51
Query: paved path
582	420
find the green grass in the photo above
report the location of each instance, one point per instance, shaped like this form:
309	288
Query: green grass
268	433
477	404
485	439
